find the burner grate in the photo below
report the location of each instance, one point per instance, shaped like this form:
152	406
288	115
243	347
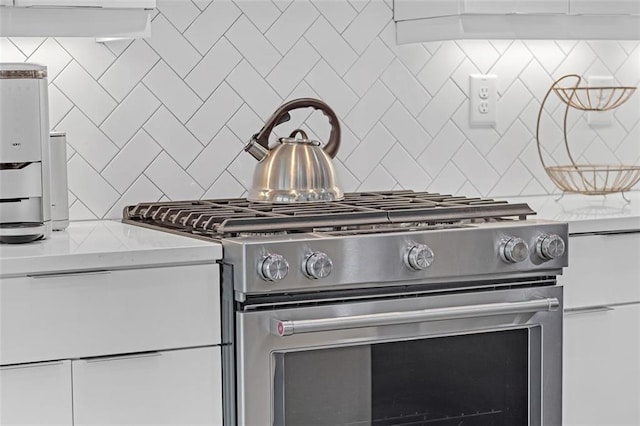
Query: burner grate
227	218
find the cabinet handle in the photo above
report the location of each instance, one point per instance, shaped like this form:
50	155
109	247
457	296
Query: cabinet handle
122	357
588	310
30	365
69	274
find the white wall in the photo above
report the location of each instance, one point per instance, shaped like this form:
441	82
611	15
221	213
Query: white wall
166	118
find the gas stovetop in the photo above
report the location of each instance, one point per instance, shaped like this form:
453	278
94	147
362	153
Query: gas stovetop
358	213
367	240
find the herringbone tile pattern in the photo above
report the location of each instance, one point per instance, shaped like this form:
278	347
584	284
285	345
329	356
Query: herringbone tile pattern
166	118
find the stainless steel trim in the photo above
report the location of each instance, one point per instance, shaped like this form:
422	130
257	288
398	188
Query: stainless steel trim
588	310
16	74
69	274
288	328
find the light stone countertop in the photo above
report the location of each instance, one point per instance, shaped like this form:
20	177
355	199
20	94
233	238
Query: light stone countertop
588	213
100	245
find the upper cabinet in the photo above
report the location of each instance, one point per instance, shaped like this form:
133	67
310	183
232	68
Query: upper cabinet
76	18
429	20
521	6
604	7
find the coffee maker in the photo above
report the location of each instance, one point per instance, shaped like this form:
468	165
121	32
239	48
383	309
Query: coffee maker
25	205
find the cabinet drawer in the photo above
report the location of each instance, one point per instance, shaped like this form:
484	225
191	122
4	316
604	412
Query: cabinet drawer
89	314
602	367
603	269
36	394
181	387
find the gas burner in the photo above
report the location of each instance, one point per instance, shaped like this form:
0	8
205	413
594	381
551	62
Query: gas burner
361	212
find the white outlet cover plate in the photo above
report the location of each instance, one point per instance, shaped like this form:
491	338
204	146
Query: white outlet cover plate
481	115
600	118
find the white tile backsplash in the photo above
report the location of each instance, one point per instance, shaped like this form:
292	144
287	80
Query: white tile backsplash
53	55
130	115
85	92
172	91
94	57
174	49
214	113
173	137
216	18
213	68
87	139
131	161
291	25
91	188
172	179
130	67
167	117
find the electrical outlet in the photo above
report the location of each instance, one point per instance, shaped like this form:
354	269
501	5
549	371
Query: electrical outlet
483	99
600	118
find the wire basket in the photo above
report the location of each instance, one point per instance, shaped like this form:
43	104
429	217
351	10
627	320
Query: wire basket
594	98
594	179
590	179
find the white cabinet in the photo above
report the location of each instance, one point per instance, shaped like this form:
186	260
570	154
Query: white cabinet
76	18
432	20
108	4
96	313
141	347
522	6
607	7
602	331
603	270
181	387
602	367
409	9
36	394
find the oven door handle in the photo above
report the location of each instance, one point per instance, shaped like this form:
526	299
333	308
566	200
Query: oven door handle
288	328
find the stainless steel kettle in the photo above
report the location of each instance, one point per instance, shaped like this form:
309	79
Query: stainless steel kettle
297	169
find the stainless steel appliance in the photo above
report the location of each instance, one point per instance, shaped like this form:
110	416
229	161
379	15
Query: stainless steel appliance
389	308
59	181
297	169
25	207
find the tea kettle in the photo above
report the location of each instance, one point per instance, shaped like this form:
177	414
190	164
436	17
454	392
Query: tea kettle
297	169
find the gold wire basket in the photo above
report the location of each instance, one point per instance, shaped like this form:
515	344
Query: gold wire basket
590	179
594	179
594	98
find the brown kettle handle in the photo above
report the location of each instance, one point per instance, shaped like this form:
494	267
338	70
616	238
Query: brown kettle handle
331	147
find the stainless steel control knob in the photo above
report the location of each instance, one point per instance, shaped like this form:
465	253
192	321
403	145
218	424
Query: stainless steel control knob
273	267
514	250
317	265
550	246
419	257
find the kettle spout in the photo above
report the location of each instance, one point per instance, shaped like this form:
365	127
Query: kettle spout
255	149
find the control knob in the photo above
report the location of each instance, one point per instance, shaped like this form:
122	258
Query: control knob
317	265
419	257
273	267
550	246
514	250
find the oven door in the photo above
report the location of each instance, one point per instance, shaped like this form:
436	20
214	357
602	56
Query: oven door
478	358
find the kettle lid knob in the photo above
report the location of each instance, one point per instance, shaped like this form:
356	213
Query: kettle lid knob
303	138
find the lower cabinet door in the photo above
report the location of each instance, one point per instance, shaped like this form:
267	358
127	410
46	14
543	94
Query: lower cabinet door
602	367
180	387
36	394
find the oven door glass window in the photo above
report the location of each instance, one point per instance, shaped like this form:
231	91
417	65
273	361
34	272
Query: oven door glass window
472	379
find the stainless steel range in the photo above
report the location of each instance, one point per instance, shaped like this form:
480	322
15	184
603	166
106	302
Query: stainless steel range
386	308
